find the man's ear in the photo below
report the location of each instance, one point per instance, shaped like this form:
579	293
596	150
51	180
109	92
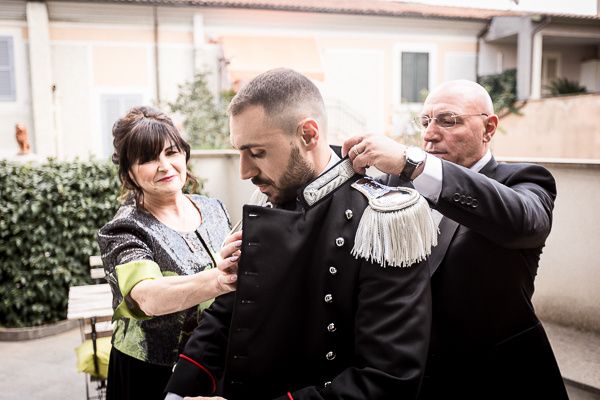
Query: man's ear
490	127
308	130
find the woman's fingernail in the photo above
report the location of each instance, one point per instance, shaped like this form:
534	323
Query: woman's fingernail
233	258
232	278
238	243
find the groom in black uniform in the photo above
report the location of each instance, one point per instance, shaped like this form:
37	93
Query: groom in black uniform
333	296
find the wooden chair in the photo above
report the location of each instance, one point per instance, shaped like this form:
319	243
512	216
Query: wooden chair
91	305
93	330
97	270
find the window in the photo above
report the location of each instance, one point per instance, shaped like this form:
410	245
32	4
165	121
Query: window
415	77
7	70
113	107
550	69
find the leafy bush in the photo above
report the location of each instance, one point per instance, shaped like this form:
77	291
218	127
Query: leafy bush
206	122
502	88
49	216
562	86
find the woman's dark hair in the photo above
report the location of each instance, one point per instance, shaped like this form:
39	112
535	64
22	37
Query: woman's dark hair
139	137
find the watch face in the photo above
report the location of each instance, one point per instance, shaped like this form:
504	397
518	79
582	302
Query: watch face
415	154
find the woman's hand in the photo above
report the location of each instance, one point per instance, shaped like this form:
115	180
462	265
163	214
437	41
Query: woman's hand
228	264
176	293
203	398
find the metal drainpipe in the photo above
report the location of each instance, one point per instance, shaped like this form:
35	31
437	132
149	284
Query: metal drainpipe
545	22
156	63
480	36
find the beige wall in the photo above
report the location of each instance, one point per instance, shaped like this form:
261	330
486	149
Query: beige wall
495	57
219	169
120	66
558	127
568	281
73	115
92	61
103	56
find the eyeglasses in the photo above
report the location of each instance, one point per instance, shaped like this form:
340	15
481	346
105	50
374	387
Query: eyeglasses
445	120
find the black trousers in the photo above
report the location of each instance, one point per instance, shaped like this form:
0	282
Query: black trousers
521	368
130	378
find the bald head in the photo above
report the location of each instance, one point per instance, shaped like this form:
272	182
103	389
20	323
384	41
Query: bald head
464	122
470	93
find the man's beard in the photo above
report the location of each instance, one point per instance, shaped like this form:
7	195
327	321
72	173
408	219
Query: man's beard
297	173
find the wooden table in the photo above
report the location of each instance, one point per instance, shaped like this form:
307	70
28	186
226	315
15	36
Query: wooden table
92	306
89	301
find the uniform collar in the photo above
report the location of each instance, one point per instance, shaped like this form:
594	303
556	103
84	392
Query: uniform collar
333	159
333	177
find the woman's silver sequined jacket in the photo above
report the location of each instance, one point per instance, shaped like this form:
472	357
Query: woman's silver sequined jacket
137	235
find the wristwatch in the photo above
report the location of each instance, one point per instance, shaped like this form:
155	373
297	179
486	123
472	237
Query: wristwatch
414	157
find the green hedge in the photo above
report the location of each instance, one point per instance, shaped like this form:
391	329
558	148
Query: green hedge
49	216
502	88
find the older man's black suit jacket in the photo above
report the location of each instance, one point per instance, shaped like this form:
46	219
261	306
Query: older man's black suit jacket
487	342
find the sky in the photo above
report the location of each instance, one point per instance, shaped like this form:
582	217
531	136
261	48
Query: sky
583	7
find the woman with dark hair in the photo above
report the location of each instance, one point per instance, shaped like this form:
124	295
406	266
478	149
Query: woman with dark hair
161	254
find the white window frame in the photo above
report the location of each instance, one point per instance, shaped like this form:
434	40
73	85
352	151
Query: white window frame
431	49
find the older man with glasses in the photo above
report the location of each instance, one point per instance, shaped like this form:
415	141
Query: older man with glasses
494	218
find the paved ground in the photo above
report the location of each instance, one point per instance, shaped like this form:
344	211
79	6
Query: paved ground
41	369
45	368
578	355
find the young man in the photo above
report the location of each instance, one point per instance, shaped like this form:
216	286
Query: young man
320	313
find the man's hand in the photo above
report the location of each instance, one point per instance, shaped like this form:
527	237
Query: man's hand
376	151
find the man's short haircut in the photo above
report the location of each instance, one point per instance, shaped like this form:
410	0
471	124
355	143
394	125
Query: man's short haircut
286	97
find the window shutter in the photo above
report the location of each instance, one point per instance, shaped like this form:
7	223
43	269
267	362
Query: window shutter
113	107
408	77
415	76
422	76
7	73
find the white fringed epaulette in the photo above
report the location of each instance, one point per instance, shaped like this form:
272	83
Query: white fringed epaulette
396	228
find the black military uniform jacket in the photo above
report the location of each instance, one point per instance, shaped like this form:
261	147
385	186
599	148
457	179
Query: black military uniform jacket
310	321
